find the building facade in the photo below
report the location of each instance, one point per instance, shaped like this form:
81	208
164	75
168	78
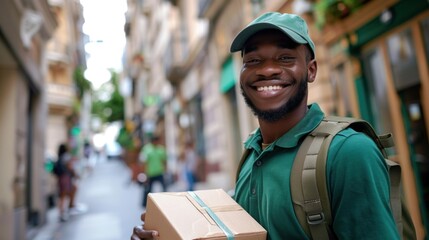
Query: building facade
25	27
65	59
41	47
67	113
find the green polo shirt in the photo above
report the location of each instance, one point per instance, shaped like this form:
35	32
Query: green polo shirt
358	184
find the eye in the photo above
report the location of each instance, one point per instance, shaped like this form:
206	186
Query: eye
286	58
251	60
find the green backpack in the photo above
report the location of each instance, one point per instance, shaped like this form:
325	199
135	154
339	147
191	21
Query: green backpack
308	178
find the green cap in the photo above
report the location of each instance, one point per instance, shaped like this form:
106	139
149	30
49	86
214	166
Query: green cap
290	24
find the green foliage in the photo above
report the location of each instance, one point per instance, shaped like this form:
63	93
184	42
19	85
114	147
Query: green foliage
330	11
125	139
82	84
108	103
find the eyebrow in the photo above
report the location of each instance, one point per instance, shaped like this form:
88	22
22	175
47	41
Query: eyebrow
288	44
249	48
283	45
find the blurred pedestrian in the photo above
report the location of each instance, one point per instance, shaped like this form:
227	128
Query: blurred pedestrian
89	161
87	150
191	161
65	173
154	157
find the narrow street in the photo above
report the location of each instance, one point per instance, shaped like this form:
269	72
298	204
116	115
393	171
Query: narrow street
110	207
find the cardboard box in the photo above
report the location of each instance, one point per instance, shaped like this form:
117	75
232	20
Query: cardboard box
205	214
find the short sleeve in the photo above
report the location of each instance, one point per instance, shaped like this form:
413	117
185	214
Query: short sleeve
358	184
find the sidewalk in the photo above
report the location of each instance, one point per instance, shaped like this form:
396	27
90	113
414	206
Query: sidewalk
112	203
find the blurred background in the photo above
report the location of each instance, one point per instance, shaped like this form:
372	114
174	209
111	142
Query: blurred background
103	76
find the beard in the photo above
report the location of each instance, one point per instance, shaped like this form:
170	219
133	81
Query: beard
279	113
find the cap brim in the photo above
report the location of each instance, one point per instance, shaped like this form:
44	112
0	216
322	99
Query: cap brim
242	37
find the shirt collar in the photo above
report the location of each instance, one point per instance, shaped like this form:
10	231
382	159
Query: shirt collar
290	139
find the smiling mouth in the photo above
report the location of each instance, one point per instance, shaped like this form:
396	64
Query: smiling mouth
269	88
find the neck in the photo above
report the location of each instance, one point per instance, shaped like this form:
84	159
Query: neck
271	131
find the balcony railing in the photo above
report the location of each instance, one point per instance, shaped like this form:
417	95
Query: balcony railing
59	52
60	95
183	50
175	59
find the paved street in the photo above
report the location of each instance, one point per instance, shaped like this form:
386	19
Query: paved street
112	207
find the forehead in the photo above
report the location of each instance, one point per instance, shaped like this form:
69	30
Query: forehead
269	36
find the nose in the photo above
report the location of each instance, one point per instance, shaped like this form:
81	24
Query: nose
268	69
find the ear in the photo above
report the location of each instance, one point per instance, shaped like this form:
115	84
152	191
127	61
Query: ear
312	70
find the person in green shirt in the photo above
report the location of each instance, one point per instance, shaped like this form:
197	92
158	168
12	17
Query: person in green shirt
278	63
154	157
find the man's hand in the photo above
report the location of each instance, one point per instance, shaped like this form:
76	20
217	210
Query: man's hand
140	233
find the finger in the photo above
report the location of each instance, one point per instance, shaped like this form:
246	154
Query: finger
140	233
143	216
135	237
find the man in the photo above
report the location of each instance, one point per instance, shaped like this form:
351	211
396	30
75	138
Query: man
278	63
155	164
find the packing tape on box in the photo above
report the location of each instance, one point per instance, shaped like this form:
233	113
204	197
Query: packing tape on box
229	235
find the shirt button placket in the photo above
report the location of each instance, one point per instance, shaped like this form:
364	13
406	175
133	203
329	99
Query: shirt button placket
257	164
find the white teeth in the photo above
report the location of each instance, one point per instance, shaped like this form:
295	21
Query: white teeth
268	88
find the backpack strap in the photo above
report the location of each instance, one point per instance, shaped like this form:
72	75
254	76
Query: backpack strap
243	158
240	164
395	193
308	179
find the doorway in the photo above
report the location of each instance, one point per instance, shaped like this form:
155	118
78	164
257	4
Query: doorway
414	121
396	88
404	67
